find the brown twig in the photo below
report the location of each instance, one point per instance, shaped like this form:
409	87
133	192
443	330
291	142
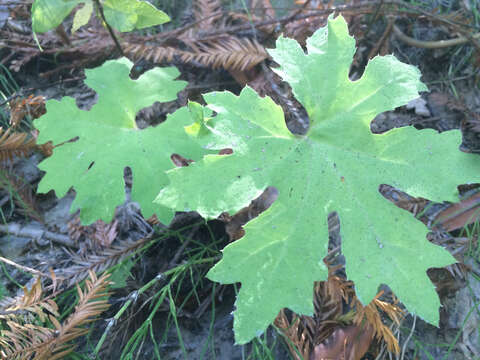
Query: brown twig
60	31
378	47
298	11
24	268
35	232
438	44
374	17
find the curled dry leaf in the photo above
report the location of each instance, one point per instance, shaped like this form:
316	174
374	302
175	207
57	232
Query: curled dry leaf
349	343
21	107
341	328
15	144
444	216
458	215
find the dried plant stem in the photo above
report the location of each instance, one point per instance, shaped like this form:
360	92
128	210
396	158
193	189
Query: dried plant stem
24	268
109	28
404	348
35	232
431	44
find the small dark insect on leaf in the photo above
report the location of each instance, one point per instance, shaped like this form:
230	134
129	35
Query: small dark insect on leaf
72	140
180	161
226	151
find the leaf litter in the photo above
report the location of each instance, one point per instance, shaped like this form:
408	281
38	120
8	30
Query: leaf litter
422	335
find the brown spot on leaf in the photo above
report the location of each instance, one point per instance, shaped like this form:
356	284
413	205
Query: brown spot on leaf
226	151
180	161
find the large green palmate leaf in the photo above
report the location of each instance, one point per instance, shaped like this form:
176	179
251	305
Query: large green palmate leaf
337	166
110	140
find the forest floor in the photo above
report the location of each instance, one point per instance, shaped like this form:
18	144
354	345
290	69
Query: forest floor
162	306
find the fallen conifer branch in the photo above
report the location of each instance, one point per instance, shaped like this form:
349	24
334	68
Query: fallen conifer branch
36	232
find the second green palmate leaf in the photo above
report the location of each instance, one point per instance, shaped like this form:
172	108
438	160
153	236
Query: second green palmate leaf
109	140
337	166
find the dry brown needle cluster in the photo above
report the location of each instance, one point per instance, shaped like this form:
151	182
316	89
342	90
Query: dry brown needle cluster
227	52
15	144
341	328
25	339
197	46
21	144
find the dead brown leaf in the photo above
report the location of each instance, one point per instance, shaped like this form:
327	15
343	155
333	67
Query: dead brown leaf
21	107
346	343
458	215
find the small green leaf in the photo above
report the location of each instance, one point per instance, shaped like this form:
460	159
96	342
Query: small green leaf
120	274
48	14
109	140
198	129
337	166
82	16
3	290
127	15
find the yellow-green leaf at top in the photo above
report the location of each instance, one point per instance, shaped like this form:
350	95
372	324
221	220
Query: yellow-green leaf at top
123	15
127	15
48	14
82	16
